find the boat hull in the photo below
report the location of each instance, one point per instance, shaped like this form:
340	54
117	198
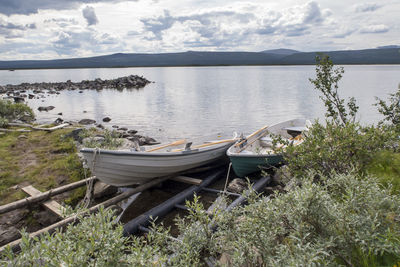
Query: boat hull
254	156
122	168
243	165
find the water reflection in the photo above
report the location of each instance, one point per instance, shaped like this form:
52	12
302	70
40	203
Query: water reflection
200	100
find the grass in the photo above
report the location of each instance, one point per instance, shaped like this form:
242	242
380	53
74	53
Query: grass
44	160
386	167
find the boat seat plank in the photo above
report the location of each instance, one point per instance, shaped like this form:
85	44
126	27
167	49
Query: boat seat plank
186	179
52	205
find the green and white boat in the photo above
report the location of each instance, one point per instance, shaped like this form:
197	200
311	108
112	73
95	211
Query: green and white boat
256	152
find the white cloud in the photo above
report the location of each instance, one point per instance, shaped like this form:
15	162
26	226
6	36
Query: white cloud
367	7
379	28
60	28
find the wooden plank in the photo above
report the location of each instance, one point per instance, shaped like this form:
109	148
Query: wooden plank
43	196
74	218
188	180
50	204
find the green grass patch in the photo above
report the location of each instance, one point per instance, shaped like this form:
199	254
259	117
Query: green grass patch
44	160
386	167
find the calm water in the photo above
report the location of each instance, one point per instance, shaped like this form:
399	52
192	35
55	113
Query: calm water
194	101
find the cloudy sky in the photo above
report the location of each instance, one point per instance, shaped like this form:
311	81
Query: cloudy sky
47	29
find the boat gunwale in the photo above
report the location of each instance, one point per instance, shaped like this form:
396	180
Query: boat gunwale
153	154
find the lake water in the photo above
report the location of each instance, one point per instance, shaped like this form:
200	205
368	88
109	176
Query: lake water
196	101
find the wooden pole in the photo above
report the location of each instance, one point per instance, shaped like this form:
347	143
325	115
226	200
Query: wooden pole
176	143
43	196
250	136
15	244
208	144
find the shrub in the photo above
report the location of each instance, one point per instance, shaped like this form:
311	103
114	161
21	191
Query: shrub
326	82
342	221
390	110
337	148
106	139
14	111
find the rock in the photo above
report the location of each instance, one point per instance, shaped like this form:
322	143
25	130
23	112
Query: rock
86	121
150	141
132	132
122	129
100	126
80	92
58	121
101	190
46	108
115	126
106	119
75	134
19	99
60	113
84	111
30	96
237	185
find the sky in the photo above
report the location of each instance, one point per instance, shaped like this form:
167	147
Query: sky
50	29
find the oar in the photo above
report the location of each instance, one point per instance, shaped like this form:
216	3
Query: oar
238	145
208	144
176	143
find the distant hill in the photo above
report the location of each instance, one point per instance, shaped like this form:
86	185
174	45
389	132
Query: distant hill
388	46
367	56
193	58
281	51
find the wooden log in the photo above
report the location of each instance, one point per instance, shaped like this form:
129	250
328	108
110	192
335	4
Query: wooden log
16	130
43	196
40	127
15	244
52	128
188	180
143	220
52	205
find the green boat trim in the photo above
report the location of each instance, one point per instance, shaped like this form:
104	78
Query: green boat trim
247	164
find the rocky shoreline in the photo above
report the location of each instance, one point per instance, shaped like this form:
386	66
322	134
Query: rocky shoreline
19	91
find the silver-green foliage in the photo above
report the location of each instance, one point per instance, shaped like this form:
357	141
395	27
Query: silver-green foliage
105	139
14	111
343	220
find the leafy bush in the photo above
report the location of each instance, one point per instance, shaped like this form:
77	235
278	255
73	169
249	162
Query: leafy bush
338	148
342	221
342	144
14	111
390	110
326	82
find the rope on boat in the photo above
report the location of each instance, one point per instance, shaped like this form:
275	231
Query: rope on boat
227	177
90	184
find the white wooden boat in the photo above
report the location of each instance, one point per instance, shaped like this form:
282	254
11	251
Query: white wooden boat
125	167
256	151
